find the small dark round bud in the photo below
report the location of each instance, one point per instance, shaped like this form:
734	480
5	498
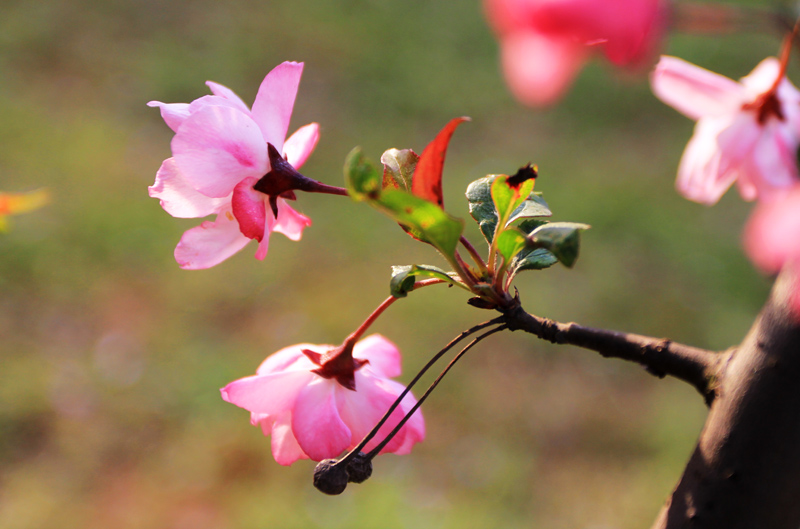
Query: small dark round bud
359	468
329	477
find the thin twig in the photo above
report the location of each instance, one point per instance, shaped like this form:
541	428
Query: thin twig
375	451
405	392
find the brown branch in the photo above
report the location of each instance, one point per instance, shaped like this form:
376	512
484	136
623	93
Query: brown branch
699	367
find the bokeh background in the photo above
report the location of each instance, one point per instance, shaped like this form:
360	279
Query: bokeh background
111	356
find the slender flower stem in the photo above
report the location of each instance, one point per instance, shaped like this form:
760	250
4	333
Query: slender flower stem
473	253
355	335
375	451
405	392
329	190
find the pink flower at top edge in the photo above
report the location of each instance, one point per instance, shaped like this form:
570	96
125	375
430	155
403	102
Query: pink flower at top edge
772	237
544	43
744	132
219	152
311	417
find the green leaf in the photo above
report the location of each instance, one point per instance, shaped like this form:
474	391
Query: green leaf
422	219
560	238
532	259
362	178
533	206
425	220
398	168
482	208
404	277
509	243
508	198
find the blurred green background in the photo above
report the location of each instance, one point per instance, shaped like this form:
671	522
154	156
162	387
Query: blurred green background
110	415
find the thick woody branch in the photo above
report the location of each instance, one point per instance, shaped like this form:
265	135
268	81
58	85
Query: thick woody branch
745	470
661	357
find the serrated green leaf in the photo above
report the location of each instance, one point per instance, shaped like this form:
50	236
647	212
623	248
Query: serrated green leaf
398	168
509	243
560	238
404	277
362	178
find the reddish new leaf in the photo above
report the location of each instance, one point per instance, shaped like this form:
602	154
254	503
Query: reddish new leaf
427	182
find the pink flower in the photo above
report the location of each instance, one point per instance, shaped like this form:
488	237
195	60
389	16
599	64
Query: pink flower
301	395
746	131
544	43
220	156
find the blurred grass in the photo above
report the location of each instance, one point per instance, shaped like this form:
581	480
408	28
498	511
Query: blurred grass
112	356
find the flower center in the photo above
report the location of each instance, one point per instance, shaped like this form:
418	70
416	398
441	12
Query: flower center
338	363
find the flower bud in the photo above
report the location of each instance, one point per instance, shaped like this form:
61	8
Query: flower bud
329	477
359	469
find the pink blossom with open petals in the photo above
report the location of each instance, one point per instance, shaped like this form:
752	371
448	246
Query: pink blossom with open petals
745	133
772	238
313	417
219	152
545	43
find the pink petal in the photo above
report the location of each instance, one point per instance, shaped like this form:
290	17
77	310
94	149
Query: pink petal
291	357
217	147
762	77
173	113
772	235
773	162
273	106
383	355
362	409
693	91
250	209
716	155
285	448
316	424
215	101
178	198
269	394
210	243
290	223
539	69
225	92
300	144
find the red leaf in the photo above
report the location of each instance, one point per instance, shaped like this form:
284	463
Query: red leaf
427	182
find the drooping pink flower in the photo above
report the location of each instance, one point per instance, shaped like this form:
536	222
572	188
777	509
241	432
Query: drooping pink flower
318	412
544	43
747	131
220	153
772	237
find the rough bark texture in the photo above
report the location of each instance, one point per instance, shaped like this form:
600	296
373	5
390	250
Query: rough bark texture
745	470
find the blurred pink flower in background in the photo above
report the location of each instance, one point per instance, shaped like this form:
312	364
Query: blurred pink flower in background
311	416
544	43
219	152
747	131
772	237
